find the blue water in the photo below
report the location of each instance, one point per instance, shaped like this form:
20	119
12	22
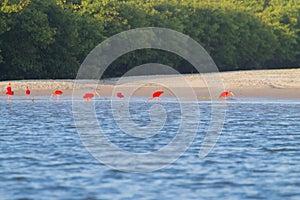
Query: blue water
256	157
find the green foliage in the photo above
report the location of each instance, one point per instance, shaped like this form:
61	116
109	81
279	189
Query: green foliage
45	41
50	38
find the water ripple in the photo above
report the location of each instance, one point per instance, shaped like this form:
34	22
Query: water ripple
256	157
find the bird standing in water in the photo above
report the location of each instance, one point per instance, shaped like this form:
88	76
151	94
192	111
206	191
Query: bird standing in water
9	91
88	96
57	93
156	95
27	92
226	94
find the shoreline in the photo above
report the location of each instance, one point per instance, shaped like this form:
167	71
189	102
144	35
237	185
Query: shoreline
283	84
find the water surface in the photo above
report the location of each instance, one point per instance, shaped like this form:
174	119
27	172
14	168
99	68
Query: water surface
256	157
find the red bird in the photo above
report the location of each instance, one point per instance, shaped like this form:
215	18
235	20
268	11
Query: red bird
226	94
57	93
89	96
156	95
120	95
27	92
9	91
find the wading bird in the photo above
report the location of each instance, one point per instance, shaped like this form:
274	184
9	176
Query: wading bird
156	95
226	94
57	93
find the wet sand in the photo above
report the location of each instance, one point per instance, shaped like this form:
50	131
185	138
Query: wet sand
283	84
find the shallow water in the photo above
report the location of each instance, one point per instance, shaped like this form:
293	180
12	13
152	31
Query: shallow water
256	157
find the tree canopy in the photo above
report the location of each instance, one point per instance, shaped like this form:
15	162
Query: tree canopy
51	38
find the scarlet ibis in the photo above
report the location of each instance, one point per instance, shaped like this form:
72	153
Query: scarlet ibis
226	94
120	95
27	91
156	95
57	93
9	91
89	96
